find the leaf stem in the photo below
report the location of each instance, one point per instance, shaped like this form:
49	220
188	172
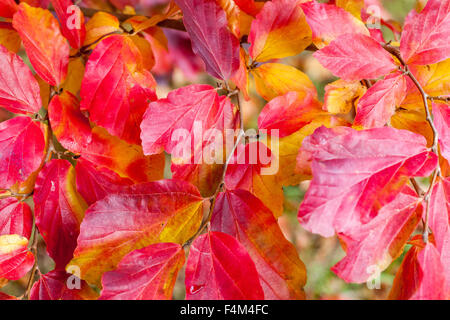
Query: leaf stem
213	198
34	250
434	148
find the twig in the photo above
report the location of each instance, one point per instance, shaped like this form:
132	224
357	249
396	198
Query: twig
434	148
213	198
84	49
439	98
417	188
35	265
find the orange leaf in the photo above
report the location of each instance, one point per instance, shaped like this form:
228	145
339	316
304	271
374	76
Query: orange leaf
46	48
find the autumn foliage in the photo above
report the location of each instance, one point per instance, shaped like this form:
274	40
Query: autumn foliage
104	172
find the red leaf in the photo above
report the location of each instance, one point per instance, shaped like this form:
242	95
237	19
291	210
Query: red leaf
439	222
372	247
162	211
289	113
57	285
19	90
378	104
192	126
421	275
219	268
146	274
441	117
70	126
59	210
127	160
249	6
253	168
4	296
356	172
181	110
7	8
327	22
355	57
46	48
71	21
15	217
243	216
23	145
15	259
207	25
94	184
425	35
116	87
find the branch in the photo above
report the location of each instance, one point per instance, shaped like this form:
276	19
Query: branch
434	148
425	97
224	172
439	98
35	265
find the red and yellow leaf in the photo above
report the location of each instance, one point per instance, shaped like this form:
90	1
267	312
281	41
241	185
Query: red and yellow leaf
46	48
69	125
240	214
15	259
253	168
145	274
289	113
59	210
117	88
162	211
127	160
279	30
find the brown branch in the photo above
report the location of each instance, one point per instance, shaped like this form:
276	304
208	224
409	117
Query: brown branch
439	98
434	148
417	188
35	265
425	97
224	172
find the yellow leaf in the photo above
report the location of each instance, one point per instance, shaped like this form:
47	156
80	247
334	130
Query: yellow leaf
75	75
415	121
341	95
352	6
99	26
276	79
9	38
